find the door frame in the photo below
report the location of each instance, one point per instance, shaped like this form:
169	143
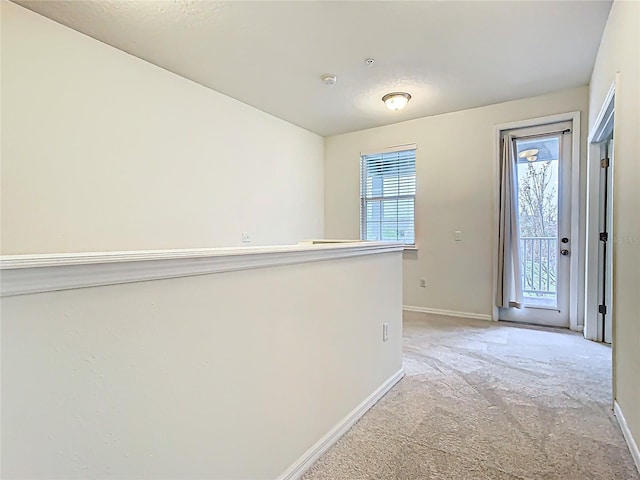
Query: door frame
602	127
576	276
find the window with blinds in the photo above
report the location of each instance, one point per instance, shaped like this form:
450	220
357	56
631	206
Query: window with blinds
387	196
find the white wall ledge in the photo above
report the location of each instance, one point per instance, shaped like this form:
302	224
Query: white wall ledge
23	274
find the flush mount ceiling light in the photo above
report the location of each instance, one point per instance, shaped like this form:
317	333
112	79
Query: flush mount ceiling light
530	155
396	100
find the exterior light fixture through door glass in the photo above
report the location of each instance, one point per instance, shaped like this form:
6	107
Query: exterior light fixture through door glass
530	155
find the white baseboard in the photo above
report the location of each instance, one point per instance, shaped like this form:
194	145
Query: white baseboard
450	313
633	446
305	462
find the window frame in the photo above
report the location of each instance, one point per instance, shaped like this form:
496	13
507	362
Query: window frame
364	199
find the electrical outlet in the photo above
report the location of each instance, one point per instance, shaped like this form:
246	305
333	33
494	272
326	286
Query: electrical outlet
385	331
457	235
423	283
245	237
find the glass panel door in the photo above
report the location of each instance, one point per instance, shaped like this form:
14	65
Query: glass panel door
537	170
543	168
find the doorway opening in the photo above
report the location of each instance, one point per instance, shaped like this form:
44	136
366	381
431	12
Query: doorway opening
599	315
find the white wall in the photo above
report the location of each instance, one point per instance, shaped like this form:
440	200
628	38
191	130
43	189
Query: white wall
223	376
619	53
102	151
456	170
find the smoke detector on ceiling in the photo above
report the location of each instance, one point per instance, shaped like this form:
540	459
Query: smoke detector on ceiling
329	79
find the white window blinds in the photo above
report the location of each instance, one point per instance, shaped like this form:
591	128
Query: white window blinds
387	196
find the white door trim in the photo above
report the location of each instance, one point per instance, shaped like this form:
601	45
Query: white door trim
576	291
604	120
593	329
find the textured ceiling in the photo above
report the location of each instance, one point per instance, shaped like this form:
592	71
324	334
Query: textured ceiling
449	55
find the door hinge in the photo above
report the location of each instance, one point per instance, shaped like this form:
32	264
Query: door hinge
602	309
604	236
604	163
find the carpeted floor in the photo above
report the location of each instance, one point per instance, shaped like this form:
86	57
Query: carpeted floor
483	400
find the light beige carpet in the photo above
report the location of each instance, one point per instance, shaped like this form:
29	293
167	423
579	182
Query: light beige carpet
485	400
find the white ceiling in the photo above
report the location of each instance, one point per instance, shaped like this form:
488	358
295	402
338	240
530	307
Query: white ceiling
448	55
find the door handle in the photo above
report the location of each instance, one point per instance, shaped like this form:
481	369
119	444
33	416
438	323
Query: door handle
564	251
